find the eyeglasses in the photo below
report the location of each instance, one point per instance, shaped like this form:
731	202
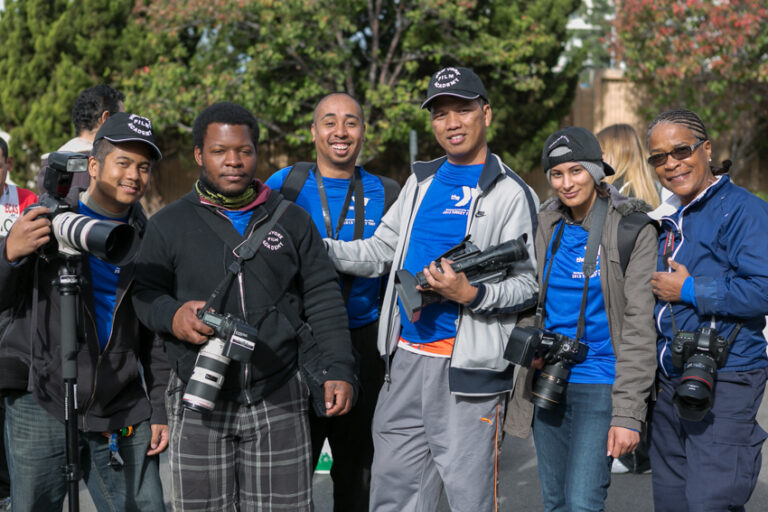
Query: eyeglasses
679	153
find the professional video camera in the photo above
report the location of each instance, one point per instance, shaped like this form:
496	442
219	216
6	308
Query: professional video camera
231	339
492	265
73	233
559	353
699	354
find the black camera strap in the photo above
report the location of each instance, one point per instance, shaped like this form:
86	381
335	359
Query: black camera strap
246	250
599	214
356	188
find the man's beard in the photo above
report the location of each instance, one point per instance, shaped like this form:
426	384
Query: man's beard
203	178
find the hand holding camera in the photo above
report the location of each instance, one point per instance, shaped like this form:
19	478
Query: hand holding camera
29	233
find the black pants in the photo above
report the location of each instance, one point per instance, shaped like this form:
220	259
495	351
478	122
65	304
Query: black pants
350	435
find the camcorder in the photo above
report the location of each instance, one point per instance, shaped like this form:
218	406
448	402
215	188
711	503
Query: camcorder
492	265
699	354
559	352
231	339
73	233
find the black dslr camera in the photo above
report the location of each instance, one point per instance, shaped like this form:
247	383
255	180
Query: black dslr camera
73	233
699	354
231	339
490	266
559	353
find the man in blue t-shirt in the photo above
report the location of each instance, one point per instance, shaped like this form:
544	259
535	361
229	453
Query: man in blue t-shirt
329	190
122	369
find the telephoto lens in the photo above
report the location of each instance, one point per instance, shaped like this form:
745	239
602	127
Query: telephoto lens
207	377
112	242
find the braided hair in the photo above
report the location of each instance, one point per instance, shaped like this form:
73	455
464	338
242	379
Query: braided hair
691	121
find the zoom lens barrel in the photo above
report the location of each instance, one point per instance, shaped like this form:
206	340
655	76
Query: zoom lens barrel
112	242
207	377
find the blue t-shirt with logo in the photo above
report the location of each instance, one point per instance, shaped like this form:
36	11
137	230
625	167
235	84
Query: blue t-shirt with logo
104	278
440	224
563	303
363	303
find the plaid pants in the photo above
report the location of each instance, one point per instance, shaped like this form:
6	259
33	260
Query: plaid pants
239	457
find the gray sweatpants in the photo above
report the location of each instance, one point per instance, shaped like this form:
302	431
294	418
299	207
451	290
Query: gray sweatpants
426	438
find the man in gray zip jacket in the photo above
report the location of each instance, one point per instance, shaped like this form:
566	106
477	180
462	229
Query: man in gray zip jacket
439	415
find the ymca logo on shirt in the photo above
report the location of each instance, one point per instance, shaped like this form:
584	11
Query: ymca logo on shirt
462	201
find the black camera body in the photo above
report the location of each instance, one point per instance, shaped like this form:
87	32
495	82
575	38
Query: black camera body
231	339
490	266
559	352
74	233
699	354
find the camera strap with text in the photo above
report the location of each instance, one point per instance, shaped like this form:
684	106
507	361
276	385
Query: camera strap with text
599	213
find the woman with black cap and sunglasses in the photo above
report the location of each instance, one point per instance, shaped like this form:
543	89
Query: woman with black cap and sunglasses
712	291
602	410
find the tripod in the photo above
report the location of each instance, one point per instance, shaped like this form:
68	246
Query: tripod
68	285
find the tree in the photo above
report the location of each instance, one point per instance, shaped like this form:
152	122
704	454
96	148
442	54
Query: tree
50	51
280	57
710	57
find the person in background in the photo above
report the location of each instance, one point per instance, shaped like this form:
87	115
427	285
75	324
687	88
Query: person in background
13	201
92	107
634	178
624	152
712	273
604	405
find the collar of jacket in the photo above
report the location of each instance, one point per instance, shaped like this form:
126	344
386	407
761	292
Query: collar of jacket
672	204
553	210
491	169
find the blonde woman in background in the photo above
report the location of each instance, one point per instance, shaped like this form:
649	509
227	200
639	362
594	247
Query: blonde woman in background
624	152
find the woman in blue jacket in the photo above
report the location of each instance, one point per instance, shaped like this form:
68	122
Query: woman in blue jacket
712	280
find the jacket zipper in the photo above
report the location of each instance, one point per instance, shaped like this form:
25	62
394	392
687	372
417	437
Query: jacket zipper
96	370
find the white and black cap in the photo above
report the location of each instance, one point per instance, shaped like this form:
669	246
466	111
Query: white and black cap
125	127
459	82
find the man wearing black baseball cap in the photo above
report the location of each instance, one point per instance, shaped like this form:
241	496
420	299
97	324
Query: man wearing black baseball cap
439	416
120	406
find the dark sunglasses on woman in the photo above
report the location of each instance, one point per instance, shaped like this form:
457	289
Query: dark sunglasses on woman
678	153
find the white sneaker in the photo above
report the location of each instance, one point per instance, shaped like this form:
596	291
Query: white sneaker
618	467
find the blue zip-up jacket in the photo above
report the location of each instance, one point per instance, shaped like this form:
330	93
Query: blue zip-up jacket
720	238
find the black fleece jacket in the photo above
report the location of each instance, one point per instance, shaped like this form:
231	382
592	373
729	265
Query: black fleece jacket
184	258
110	391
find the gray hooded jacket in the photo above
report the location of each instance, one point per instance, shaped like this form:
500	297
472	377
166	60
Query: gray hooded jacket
504	208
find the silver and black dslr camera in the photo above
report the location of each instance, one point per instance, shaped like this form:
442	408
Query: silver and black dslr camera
699	354
559	352
231	339
74	233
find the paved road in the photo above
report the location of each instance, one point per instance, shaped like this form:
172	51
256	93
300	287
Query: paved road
520	491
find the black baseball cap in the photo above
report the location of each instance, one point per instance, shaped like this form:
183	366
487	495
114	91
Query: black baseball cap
579	145
125	127
460	82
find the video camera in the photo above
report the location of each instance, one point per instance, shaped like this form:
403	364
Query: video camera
492	265
559	352
73	233
699	354
232	339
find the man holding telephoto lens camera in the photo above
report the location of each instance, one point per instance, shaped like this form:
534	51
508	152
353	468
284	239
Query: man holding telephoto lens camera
237	402
88	234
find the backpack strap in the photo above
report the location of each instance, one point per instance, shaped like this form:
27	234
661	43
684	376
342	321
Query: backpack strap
295	180
391	191
629	228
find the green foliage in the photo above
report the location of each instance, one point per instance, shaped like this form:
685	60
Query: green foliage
280	58
50	51
172	58
707	56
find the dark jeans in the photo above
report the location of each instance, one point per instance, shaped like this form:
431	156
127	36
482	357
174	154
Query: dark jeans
36	447
571	442
710	465
350	435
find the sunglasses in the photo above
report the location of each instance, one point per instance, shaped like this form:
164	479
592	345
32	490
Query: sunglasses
679	153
